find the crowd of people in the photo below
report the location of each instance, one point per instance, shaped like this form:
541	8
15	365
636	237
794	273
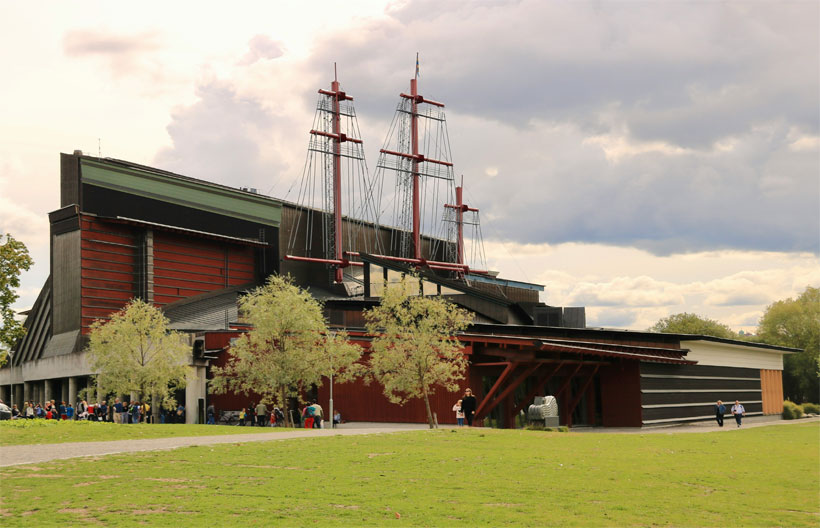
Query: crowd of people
311	416
116	411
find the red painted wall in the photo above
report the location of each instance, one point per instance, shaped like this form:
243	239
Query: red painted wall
107	253
621	395
186	267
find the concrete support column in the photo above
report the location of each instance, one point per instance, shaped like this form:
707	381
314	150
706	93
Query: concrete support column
72	391
18	396
194	391
27	391
48	390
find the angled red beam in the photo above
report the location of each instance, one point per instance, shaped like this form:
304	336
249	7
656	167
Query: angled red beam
539	385
416	157
506	392
494	364
503	377
577	399
341	263
568	380
342	96
435	264
341	137
419	99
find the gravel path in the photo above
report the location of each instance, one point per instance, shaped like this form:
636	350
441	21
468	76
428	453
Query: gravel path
32	454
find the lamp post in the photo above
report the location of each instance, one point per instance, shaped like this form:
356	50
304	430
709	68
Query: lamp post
333	338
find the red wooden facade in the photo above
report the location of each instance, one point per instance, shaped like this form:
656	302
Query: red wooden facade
108	267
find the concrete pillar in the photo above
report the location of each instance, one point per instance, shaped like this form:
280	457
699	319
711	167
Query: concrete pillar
28	393
194	391
18	396
72	391
48	390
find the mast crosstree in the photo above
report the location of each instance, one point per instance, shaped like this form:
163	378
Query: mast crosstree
428	210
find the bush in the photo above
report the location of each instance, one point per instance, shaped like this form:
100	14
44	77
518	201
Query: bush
791	411
812	408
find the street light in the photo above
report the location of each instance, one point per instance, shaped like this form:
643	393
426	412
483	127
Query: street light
333	338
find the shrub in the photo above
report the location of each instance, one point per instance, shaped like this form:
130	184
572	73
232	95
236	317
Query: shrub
812	408
791	411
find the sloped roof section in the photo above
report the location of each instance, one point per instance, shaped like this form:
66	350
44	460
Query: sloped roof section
38	329
210	311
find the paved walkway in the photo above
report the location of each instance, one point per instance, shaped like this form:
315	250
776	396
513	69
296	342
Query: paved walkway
27	454
32	454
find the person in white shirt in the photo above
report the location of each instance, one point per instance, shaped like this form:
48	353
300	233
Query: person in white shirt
738	411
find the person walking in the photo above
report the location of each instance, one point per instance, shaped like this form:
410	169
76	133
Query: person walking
738	411
468	406
318	415
720	410
211	412
242	417
459	413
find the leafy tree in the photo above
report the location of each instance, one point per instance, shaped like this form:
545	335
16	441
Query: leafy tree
14	259
686	323
288	349
135	352
414	351
796	323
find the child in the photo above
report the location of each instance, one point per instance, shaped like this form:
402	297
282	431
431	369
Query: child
459	413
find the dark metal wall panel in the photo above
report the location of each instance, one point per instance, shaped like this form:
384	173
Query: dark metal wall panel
693	413
698	370
65	272
702	383
704	397
672	393
69	180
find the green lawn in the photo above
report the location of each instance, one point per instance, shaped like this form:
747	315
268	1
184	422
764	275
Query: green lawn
22	432
767	476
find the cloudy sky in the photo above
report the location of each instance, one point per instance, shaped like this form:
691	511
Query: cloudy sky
637	158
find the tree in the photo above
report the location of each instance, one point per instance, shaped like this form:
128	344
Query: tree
288	349
14	259
414	350
135	352
686	323
796	323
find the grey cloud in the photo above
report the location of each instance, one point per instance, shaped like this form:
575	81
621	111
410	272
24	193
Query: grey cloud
218	139
541	78
262	47
675	73
97	42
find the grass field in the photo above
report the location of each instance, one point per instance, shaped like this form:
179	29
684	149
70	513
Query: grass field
768	476
22	432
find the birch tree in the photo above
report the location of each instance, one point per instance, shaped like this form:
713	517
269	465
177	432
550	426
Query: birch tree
414	349
135	352
288	349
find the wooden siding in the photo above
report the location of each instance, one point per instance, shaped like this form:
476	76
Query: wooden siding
710	353
620	395
186	266
108	268
771	387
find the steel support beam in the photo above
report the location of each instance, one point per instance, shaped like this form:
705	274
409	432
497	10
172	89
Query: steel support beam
507	391
539	385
